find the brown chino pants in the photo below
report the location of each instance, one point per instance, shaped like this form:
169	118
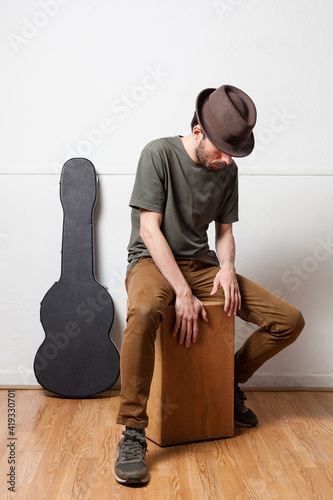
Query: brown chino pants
149	293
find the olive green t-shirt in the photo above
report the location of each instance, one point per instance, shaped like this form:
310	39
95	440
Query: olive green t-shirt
188	195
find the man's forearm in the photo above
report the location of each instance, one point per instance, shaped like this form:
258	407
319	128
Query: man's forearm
163	257
226	249
226	277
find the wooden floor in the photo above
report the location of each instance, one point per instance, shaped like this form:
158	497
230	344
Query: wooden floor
65	449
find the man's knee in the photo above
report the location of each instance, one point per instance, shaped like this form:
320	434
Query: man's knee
145	315
296	322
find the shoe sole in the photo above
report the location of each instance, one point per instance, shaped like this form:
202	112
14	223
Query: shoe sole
132	480
242	424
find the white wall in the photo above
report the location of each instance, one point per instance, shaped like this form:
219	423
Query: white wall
101	79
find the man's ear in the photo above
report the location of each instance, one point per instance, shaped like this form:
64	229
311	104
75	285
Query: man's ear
197	132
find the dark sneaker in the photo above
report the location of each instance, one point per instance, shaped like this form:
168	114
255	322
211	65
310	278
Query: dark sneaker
243	416
130	466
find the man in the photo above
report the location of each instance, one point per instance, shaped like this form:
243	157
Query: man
182	185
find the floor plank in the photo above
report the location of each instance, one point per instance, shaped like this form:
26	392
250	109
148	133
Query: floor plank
65	449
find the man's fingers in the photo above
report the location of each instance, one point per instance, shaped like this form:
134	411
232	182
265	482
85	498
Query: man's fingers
227	301
232	299
214	289
195	329
186	323
182	332
235	301
204	313
175	328
181	338
188	333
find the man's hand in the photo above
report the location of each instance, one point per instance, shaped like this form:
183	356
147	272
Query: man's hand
226	278
188	307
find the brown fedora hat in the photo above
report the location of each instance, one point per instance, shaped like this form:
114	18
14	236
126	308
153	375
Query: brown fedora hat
227	116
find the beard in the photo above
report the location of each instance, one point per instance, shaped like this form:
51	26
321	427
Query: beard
205	159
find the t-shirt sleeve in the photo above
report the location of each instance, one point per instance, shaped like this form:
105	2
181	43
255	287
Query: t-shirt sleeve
149	191
229	209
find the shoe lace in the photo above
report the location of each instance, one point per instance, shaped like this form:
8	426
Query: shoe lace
132	445
239	396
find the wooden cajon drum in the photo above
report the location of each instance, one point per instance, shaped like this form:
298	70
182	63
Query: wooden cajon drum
192	391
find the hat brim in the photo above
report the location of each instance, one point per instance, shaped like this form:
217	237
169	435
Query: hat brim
239	151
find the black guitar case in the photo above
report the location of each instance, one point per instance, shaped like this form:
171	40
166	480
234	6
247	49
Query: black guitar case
77	358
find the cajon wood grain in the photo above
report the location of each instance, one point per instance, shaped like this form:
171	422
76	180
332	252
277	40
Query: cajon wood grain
191	396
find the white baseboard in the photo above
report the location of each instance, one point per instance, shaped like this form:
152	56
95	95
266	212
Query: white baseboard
290	381
27	380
